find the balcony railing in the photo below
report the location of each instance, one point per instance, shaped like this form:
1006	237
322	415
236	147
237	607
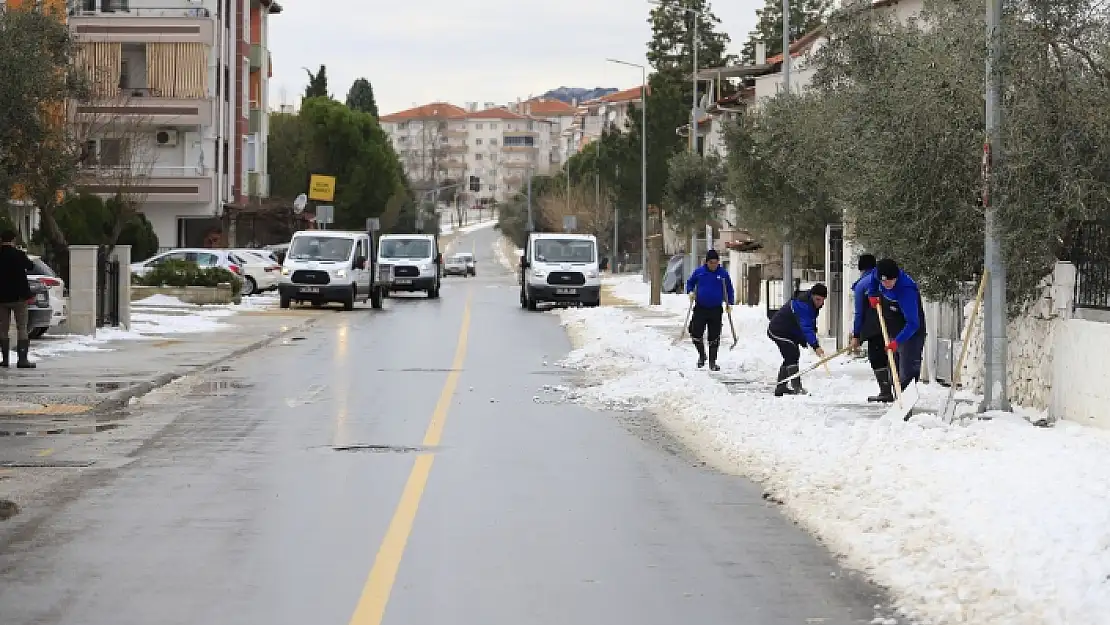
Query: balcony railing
116	172
122	8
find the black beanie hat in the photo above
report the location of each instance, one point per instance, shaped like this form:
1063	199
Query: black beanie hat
819	289
888	269
866	262
712	255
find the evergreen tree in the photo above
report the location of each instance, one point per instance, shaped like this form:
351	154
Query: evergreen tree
669	50
317	84
805	15
361	97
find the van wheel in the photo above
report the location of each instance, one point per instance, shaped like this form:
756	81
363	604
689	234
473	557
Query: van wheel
349	301
532	305
36	333
284	302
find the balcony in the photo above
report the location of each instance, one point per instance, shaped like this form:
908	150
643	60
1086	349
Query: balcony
166	184
520	149
179	21
521	133
144	107
258	184
257	56
456	149
255	124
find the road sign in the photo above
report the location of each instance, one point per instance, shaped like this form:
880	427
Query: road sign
570	223
321	188
325	214
373	224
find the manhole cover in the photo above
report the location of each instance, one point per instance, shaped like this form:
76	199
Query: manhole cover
384	449
45	464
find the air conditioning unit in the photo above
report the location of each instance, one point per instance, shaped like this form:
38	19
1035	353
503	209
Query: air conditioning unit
166	138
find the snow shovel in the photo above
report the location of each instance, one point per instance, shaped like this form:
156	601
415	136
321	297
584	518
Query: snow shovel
948	411
682	332
903	402
817	365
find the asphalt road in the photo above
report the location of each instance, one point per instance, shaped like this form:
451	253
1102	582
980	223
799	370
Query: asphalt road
396	467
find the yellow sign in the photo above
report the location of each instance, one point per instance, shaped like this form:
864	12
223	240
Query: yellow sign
321	188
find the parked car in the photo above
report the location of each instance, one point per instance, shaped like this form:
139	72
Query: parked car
455	266
260	271
56	292
203	257
468	259
39	311
279	251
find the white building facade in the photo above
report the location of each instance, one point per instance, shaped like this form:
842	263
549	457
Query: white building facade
178	122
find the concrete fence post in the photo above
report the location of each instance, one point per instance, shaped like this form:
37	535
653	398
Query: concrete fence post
122	253
82	289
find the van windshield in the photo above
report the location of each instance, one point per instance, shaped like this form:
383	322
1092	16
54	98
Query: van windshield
564	251
321	248
406	248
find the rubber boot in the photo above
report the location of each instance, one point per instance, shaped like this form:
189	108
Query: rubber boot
796	382
783	388
701	352
886	389
21	349
5	347
713	347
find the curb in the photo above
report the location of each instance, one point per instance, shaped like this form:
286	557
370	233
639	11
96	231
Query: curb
120	398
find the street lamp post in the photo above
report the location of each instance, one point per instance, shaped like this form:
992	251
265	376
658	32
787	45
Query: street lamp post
643	164
788	245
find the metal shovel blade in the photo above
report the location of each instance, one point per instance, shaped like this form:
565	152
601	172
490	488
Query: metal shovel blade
901	408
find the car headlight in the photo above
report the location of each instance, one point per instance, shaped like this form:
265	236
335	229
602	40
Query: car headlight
425	266
341	273
538	273
591	274
284	271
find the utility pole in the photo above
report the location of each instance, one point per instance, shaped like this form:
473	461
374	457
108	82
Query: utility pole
531	224
994	317
788	245
694	131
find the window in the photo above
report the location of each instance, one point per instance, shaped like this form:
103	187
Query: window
252	156
477	126
406	248
564	251
520	142
202	259
320	248
477	142
493	141
477	157
493	126
113	152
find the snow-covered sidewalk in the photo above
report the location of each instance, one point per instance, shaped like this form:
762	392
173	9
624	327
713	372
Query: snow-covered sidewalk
153	318
447	228
984	522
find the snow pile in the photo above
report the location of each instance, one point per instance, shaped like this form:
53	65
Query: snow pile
447	228
161	301
985	523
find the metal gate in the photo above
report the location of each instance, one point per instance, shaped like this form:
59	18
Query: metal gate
835	250
107	289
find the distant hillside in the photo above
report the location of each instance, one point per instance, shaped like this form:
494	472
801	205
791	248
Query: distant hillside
567	94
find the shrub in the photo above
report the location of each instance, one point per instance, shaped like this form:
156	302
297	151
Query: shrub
182	273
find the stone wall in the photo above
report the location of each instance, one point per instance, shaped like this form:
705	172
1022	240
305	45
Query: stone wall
200	295
1031	342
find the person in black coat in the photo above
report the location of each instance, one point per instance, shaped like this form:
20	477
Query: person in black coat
14	293
793	325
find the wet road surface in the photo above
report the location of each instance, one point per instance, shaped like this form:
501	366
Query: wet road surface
395	467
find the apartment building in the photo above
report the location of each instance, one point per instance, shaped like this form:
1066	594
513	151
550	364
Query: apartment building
178	116
558	114
593	116
438	142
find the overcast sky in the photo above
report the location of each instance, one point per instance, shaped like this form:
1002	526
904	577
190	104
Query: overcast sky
419	51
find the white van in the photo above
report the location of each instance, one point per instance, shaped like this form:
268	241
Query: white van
413	260
559	268
323	266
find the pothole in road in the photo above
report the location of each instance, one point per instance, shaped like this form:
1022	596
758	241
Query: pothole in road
385	449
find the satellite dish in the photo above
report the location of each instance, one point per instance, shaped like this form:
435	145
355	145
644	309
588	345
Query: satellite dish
300	203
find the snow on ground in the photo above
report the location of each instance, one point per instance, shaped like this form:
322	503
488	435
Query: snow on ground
153	317
982	522
448	228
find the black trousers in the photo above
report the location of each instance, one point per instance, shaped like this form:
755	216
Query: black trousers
876	353
789	349
706	318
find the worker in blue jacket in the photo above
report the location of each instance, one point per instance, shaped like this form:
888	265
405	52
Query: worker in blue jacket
865	326
793	325
908	342
709	286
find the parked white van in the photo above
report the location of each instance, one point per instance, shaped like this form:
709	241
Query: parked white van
324	266
560	269
413	260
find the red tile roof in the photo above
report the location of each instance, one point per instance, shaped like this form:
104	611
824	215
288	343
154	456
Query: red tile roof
545	107
495	113
799	47
628	95
435	110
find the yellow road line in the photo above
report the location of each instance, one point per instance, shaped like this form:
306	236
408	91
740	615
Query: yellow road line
45	452
375	593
